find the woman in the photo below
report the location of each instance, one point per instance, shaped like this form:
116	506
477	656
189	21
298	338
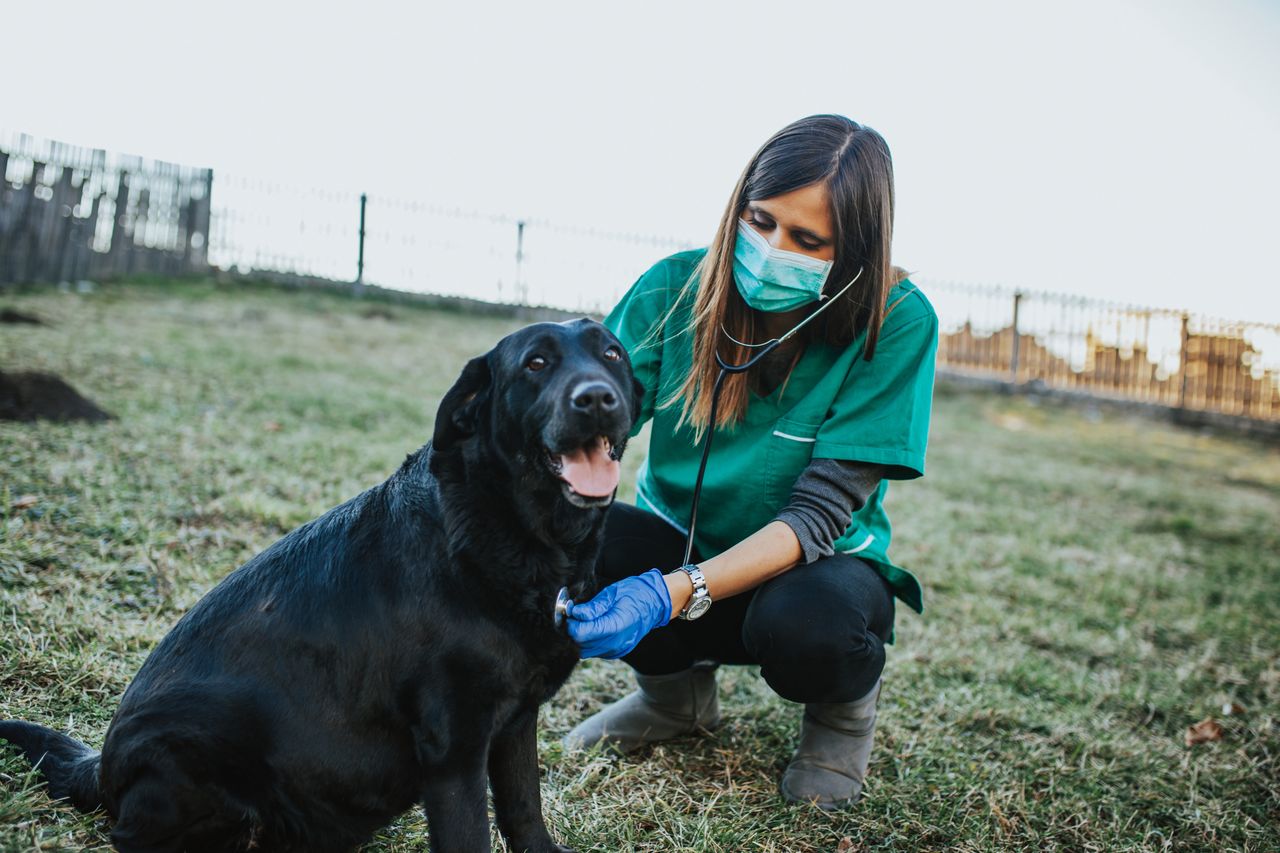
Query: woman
790	568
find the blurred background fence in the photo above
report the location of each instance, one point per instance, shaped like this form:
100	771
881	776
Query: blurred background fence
69	213
1150	355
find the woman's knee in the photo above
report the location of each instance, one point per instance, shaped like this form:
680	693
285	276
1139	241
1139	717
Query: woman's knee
812	642
830	669
803	640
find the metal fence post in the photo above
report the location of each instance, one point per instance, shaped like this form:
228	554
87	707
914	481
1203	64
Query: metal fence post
519	288
359	285
1182	361
1013	366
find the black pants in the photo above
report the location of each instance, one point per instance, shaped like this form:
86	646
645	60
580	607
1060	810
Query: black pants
817	631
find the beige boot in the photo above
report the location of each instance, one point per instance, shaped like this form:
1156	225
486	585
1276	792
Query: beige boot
664	707
830	763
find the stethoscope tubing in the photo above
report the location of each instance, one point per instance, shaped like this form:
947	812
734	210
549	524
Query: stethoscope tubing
725	369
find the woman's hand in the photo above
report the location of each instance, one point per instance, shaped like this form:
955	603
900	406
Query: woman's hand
616	620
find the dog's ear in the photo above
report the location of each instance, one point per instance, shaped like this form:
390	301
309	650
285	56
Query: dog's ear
456	419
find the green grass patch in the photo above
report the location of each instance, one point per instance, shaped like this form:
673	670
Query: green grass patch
1094	585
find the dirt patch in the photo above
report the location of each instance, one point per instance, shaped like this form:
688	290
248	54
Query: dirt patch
16	317
378	313
43	396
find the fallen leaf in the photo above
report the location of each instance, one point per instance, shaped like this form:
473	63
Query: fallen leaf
1204	731
847	845
1232	709
272	426
24	502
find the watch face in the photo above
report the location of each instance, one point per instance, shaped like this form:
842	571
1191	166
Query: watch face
697	608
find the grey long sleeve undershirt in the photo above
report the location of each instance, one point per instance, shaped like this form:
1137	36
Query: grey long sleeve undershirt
824	498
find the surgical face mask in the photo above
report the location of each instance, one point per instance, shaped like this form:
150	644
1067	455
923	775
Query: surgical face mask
770	279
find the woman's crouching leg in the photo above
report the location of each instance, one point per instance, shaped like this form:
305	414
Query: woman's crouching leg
818	631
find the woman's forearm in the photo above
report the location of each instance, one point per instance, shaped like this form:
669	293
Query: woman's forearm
767	553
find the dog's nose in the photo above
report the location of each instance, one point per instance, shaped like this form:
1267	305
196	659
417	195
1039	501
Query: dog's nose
593	397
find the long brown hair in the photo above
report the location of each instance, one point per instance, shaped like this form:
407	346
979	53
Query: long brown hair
854	163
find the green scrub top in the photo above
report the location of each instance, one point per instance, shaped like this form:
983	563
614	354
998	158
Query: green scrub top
836	405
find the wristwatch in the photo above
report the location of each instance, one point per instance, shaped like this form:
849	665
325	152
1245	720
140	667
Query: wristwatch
700	603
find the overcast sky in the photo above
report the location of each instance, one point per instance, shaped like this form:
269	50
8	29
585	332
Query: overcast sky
1116	149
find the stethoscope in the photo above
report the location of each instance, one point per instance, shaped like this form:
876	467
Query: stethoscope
725	370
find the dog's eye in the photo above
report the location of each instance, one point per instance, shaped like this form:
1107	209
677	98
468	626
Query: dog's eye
536	362
612	354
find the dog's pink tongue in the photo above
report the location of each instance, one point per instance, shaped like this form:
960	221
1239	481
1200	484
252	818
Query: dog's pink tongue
590	471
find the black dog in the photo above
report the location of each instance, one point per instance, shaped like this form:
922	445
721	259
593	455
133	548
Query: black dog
395	649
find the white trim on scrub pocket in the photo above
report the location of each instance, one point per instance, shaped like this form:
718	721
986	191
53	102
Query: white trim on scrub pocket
780	434
866	543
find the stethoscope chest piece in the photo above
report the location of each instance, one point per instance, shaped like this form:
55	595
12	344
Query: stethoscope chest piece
562	606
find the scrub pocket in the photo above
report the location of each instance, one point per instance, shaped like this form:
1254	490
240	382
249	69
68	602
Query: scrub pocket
790	449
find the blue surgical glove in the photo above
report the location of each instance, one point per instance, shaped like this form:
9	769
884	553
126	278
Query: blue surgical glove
616	620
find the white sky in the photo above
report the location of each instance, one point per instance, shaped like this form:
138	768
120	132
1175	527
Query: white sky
1115	149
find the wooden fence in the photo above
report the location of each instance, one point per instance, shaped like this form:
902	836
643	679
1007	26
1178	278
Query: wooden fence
68	213
1165	357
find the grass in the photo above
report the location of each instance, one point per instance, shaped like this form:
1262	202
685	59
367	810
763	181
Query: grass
1094	584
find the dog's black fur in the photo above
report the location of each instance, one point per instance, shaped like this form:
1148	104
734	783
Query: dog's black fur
392	651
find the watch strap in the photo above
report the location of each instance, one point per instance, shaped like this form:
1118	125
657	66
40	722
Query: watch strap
699	589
